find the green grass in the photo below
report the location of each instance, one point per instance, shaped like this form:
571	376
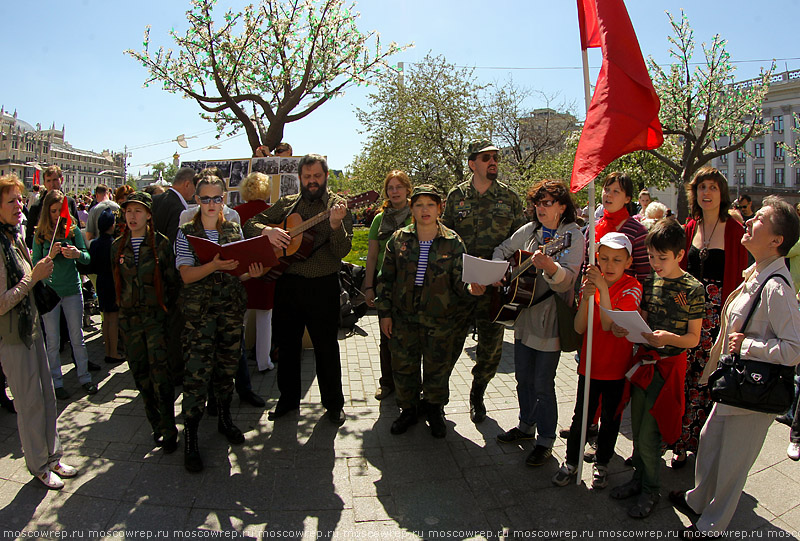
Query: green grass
358	255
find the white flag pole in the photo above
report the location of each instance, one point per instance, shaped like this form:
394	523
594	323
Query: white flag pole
587	91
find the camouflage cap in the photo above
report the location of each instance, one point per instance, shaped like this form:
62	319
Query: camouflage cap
481	145
143	198
425	189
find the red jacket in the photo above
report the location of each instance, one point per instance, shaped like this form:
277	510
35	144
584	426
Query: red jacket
735	254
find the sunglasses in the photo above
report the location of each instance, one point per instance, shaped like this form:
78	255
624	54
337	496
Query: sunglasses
216	199
545	203
485	158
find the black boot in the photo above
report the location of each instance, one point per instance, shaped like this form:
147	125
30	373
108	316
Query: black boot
477	410
225	425
436	420
191	454
408	417
211	403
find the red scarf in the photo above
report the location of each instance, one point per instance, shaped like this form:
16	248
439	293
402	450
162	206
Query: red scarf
610	222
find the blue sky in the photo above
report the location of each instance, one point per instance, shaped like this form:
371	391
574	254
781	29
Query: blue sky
64	62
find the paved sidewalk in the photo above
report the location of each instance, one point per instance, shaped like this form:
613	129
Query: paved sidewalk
304	477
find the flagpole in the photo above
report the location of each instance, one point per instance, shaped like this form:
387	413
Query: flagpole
587	92
53	240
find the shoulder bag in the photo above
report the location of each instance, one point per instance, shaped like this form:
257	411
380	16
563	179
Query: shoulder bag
751	384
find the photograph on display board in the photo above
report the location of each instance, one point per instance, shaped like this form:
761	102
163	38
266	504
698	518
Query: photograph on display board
223	168
239	170
290	185
289	165
268	166
234	199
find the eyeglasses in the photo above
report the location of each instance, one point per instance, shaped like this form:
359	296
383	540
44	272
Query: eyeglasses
216	199
485	158
544	203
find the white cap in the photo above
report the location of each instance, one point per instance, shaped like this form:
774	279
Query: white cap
617	241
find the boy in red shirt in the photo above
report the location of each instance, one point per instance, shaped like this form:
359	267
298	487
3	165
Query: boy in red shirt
613	289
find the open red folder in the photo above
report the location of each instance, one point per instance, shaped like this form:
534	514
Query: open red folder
255	250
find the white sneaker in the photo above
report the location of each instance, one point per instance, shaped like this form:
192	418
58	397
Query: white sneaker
565	475
793	451
63	470
51	480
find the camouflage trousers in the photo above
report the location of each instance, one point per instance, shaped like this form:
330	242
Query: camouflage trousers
146	349
490	340
211	347
423	356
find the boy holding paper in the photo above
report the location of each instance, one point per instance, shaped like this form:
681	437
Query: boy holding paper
673	305
612	356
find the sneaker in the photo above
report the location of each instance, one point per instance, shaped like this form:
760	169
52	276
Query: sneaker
599	476
784	420
539	456
90	388
51	480
62	393
62	470
383	392
627	490
793	451
565	475
591	432
514	435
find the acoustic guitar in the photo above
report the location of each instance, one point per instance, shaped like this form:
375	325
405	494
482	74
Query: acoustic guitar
302	238
511	299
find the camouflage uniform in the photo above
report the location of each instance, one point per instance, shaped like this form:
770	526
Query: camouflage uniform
483	221
214	312
427	323
143	323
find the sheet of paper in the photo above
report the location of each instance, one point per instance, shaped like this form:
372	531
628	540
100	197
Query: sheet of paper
632	322
482	271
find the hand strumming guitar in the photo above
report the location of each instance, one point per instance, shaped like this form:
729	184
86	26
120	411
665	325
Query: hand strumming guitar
278	237
338	212
545	262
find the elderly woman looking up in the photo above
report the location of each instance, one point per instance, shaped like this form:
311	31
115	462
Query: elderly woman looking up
732	437
22	345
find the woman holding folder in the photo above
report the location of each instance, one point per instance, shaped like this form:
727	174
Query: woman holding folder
214	302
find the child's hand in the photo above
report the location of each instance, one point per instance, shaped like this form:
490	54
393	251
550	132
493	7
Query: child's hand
255	270
588	288
224	264
735	342
70	252
658	339
476	289
386	326
618	331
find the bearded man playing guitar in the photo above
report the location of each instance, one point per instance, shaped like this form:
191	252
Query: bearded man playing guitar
307	292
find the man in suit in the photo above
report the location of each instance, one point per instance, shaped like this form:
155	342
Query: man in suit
167	206
53	178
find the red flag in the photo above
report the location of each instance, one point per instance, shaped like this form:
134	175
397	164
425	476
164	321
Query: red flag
623	115
67	218
35	177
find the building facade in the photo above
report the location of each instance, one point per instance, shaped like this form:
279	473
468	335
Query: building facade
24	148
763	167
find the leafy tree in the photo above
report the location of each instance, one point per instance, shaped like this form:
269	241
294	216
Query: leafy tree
268	65
421	123
168	171
702	110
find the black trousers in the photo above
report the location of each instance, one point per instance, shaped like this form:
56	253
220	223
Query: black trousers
311	303
611	393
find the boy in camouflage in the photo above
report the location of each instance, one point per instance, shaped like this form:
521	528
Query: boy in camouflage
420	299
214	302
146	284
673	304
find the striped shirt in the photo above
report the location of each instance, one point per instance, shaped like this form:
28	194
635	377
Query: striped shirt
422	265
135	243
183	253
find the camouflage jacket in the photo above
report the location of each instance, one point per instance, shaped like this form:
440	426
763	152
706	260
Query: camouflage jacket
138	281
442	293
197	295
483	220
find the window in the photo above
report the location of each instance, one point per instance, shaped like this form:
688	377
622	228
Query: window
777	123
740	157
741	177
759	150
723	158
779	179
780	152
760	176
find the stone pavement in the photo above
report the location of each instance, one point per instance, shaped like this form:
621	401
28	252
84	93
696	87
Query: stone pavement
304	477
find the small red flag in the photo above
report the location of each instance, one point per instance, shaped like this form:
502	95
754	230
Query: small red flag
35	177
623	114
66	216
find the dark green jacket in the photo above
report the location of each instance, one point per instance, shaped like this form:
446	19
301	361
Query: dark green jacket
196	297
443	291
137	283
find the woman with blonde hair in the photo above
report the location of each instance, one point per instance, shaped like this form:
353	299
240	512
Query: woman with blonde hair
67	250
395	214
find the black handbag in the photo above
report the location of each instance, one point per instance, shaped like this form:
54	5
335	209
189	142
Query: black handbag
45	297
569	338
750	384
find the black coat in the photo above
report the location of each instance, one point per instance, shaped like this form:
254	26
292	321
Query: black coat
167	208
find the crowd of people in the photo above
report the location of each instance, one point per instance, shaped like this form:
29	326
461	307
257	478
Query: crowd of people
692	283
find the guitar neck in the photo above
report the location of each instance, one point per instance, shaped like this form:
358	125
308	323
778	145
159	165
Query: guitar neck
308	224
